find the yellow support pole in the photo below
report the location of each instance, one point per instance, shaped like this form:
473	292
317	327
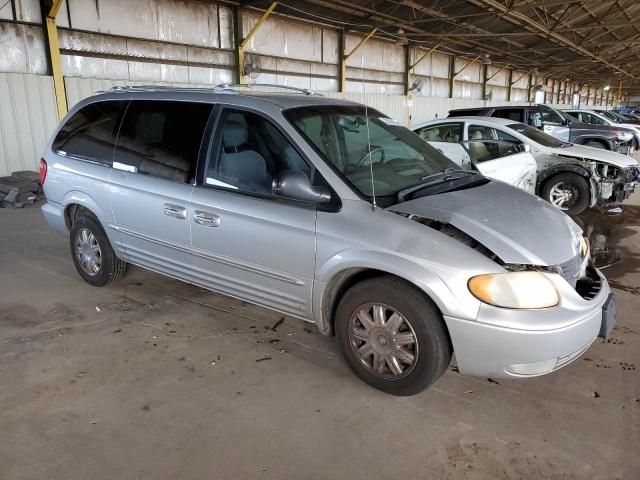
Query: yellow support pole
454	74
429	52
343	63
56	64
246	39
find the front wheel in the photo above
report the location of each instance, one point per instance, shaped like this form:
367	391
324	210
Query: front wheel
92	253
595	144
569	192
392	336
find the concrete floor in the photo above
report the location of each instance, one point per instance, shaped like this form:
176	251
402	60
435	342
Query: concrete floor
156	379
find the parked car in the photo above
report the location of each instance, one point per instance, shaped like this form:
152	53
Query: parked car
570	177
559	125
618	117
597	117
331	212
507	161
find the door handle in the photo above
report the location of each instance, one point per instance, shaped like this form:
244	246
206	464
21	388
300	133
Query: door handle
206	219
175	211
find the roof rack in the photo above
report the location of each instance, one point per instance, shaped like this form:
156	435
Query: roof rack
236	88
155	88
222	88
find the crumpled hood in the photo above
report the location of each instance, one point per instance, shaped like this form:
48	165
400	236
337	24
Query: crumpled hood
516	226
598	154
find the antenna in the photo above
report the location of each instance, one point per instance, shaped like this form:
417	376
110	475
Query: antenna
366	115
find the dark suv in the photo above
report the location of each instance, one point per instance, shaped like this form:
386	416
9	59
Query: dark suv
559	124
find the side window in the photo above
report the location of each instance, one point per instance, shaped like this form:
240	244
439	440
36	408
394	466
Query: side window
162	139
549	115
91	132
444	132
511	114
253	152
589	118
534	118
487	143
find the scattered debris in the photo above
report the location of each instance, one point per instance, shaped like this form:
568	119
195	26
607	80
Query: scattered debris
491	380
307	330
595	394
172	331
282	350
277	324
454	368
587	359
213	364
274	340
93	422
268	357
117	330
80	374
614	211
145	407
182	359
627	366
468	391
97	309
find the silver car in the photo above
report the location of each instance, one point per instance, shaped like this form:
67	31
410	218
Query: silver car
328	211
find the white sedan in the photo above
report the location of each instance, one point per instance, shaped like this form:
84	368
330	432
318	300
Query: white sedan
571	177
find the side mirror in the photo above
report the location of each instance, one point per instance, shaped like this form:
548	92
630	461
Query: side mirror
295	185
567	123
525	148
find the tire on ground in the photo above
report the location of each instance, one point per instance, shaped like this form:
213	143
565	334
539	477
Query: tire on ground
433	344
112	269
581	186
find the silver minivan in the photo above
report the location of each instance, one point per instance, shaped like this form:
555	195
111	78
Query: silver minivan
331	212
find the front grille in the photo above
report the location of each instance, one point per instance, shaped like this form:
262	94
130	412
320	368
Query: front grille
590	285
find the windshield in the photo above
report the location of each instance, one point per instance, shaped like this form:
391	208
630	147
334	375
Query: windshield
608	115
536	135
568	116
396	157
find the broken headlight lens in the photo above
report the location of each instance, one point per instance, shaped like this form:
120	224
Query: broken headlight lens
515	290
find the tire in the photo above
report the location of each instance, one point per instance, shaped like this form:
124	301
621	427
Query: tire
88	240
594	144
572	184
420	318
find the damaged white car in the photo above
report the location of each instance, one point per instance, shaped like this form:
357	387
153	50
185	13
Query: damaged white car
571	177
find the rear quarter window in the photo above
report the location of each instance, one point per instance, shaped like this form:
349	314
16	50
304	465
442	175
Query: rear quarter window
91	132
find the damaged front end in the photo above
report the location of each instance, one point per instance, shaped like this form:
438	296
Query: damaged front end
579	271
614	184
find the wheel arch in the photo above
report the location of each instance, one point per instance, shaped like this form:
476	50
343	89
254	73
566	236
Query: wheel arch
338	280
549	173
79	202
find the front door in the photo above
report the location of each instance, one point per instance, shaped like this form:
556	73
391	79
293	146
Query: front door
246	242
554	124
496	154
152	180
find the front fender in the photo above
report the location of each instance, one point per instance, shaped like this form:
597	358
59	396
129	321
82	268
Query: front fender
452	296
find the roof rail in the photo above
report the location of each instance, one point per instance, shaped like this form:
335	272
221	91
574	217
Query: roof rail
156	88
236	88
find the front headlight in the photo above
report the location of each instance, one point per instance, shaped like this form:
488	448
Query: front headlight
584	247
623	136
515	290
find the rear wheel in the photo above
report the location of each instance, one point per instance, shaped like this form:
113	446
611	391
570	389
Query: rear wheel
595	144
92	254
569	192
392	336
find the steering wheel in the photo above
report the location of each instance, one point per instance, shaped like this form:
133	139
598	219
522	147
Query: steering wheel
369	154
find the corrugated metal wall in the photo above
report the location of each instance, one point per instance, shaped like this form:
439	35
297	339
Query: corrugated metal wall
27	118
190	43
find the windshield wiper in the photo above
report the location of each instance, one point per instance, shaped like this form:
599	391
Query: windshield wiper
446	175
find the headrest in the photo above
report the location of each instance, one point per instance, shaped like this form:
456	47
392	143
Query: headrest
477	135
234	134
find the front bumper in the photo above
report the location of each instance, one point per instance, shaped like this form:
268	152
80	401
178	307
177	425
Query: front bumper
505	343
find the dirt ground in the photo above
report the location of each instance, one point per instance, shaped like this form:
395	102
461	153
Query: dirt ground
156	379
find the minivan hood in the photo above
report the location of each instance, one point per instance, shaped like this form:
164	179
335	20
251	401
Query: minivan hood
598	154
518	227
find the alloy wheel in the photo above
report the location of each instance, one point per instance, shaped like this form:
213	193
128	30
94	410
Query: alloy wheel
383	340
